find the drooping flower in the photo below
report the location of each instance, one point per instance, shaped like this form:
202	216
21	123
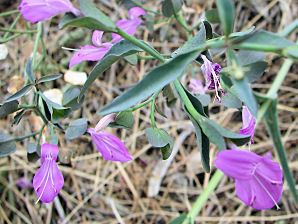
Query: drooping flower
258	179
196	86
108	145
40	10
210	71
248	123
93	52
129	25
48	180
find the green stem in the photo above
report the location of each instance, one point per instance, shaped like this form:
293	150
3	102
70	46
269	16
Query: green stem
10	38
17	31
180	19
152	111
141	104
27	136
202	199
12	26
9	13
142	45
36	43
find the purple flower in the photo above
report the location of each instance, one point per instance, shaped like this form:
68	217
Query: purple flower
48	179
108	145
258	179
93	52
40	10
196	86
129	25
248	125
24	183
210	71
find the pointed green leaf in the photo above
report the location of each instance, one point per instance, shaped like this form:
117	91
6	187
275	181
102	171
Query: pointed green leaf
29	71
153	82
7	145
8	108
20	93
49	78
264	41
119	50
93	18
123	120
171	7
271	120
212	16
226	12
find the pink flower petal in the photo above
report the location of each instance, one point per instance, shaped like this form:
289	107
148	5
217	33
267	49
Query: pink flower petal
89	53
129	26
237	164
40	10
48	179
136	12
249	122
196	86
96	38
109	146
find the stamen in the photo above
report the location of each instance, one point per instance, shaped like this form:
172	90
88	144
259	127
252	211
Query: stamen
47	169
51	176
42	192
69	49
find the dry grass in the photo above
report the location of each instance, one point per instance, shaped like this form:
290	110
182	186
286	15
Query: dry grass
97	191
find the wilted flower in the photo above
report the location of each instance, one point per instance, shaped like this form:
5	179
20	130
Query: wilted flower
196	86
40	10
248	125
93	52
48	179
129	25
210	71
258	179
109	146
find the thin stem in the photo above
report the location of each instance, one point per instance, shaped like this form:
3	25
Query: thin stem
147	9
12	25
27	136
142	45
152	111
17	31
36	43
9	13
202	199
180	19
10	38
141	104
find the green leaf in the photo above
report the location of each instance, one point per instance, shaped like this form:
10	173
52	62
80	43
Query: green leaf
18	117
119	50
93	18
166	151
49	78
264	41
212	16
271	120
161	139
171	7
245	57
123	120
7	145
192	43
20	93
231	101
168	93
203	145
153	82
29	71
132	59
255	70
70	98
89	10
76	128
157	137
8	108
33	151
179	220
226	11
